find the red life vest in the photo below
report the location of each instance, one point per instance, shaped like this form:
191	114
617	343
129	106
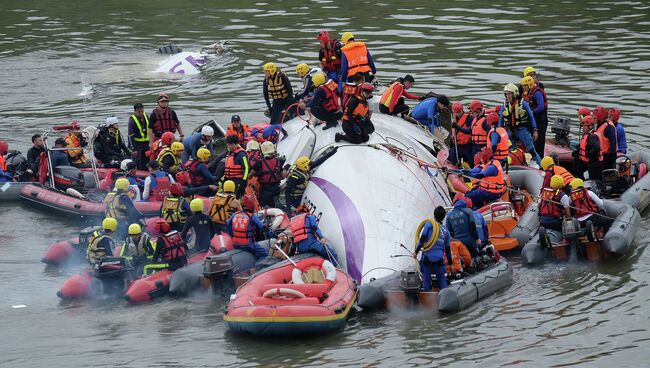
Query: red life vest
240	224
605	143
583	203
196	177
359	113
270	172
502	148
299	228
233	170
463	138
329	61
43	168
582	149
493	184
164	122
159	187
254	157
531	101
349	90
479	135
331	101
548	205
173	247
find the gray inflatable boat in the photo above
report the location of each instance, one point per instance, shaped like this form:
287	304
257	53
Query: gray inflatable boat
531	180
638	195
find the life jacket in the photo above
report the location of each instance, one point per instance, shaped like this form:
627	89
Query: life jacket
517	118
159	187
329	61
531	100
234	170
349	90
276	88
517	156
77	157
582	149
359	113
387	97
166	151
564	173
331	101
141	248
549	205
299	228
270	172
156	147
164	121
582	203
458	253
95	249
479	135
173	247
463	138
493	184
142	135
254	157
239	133
43	168
196	177
300	188
172	210
502	148
220	211
240	223
605	143
357	55
114	206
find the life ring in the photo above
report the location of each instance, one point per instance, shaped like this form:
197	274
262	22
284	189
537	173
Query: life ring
280	219
283	293
71	126
326	266
643	169
429	242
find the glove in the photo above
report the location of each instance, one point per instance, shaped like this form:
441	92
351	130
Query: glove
479	176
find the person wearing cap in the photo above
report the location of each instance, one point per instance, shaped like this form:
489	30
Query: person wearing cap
238	128
427	112
277	87
202	139
621	140
606	132
164	119
109	146
74	139
357	125
139	138
461	137
518	119
392	101
356	59
237	167
201	226
59	157
306	75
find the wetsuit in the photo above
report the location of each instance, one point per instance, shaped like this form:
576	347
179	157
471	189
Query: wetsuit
203	229
432	255
427	114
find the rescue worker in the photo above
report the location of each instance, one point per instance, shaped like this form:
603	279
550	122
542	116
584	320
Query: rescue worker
480	127
74	139
461	258
621	140
254	155
491	183
357	125
58	157
307	236
100	243
138	247
297	181
34	153
198	170
582	113
538	102
529	71
241	227
588	156
237	167
138	132
427	112
164	119
606	132
517	117
305	74
174	208
553	202
392	101
329	56
551	169
196	141
434	242
158	146
586	206
351	88
462	225
224	204
461	137
119	205
169	159
516	155
4	149
356	59
497	140
201	225
237	128
325	103
171	250
109	147
277	87
157	183
127	171
269	175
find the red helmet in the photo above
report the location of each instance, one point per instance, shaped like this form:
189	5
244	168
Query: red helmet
600	113
614	114
176	189
167	138
323	36
248	202
4	147
476	105
457	107
162	226
486	154
183	177
367	87
588	120
498	108
584	111
492	118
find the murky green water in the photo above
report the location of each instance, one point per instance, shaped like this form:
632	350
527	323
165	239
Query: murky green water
586	52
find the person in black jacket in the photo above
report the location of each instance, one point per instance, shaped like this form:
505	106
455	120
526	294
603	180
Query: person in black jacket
109	145
203	229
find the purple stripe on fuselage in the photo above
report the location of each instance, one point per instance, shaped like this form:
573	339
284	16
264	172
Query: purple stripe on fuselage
354	235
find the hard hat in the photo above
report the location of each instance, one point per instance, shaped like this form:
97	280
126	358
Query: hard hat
125	163
576	183
121	184
235	118
112	120
528	70
345	37
492	118
302	163
135	229
229	186
367	87
546	162
248	202
318	79
162	97
584	111
557	182
4	147
600	113
207	130
232	139
302	69
183	177
510	87
270	67
528	81
196	205
176	189
323	36
457	107
588	120
476	105
252	145
203	154
109	224
487	154
268	148
167	138
177	147
614	114
162	226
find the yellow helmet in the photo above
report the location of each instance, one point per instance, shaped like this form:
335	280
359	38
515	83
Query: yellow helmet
510	87
177	147
196	205
345	37
270	67
109	224
302	69
121	184
229	186
576	183
528	81
203	154
318	79
135	229
546	162
557	182
302	163
528	70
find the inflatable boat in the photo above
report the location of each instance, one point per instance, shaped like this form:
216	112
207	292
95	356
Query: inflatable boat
310	297
70	250
10	191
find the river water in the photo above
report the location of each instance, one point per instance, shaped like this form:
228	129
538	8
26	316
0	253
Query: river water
586	53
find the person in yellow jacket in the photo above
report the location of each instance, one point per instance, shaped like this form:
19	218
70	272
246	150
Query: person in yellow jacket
356	59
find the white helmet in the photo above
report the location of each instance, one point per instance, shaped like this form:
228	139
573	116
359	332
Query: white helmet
206	130
268	148
111	120
314	71
252	145
124	163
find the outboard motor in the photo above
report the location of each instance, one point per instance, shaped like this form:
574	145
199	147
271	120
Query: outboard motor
561	127
68	177
219	270
113	273
409	282
17	165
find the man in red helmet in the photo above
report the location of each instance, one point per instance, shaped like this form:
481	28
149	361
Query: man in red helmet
356	118
171	250
241	227
4	175
175	208
491	184
308	237
588	156
480	127
330	56
606	132
461	138
621	140
164	119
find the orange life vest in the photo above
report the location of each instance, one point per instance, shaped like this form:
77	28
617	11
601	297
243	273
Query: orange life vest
239	133
357	55
173	246
605	143
164	122
359	113
331	101
583	203
240	224
3	163
349	90
298	228
463	138
233	170
548	205
77	157
387	97
582	149
566	175
502	148
479	135
493	184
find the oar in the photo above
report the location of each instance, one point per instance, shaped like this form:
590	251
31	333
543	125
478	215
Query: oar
274	245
